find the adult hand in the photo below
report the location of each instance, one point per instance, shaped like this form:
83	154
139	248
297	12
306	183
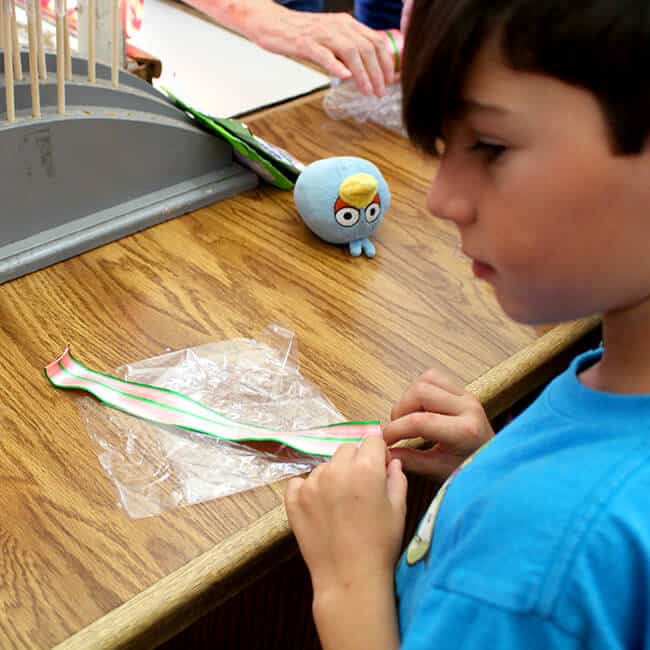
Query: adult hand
348	517
337	42
436	409
407	6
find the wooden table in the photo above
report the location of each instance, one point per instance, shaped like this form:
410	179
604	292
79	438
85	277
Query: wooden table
74	569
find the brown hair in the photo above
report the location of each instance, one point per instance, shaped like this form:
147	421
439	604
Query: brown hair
600	45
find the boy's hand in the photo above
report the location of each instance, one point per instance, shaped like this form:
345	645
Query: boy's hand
436	409
348	517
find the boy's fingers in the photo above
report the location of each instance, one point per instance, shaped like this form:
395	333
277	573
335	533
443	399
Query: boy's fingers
291	497
427	463
344	453
396	484
313	475
293	486
373	449
423	396
443	380
433	427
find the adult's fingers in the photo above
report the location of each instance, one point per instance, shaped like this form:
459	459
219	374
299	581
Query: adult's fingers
367	53
371	56
325	58
405	17
351	57
337	42
385	55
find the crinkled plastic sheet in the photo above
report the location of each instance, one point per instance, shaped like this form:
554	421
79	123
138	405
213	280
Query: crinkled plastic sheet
157	468
344	101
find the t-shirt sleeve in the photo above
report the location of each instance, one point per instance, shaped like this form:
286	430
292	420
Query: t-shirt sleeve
450	621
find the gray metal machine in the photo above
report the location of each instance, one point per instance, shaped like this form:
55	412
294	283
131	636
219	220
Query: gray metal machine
118	160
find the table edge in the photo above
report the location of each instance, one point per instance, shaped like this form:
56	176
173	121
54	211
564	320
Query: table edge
152	614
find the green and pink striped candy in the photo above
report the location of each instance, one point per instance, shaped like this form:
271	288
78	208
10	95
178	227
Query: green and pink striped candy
165	406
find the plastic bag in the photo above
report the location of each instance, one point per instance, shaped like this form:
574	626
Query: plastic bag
344	101
156	468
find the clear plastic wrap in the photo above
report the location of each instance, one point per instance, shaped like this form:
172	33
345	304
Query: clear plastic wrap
157	468
344	101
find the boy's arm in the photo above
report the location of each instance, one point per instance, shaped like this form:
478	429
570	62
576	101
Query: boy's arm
337	42
348	517
358	619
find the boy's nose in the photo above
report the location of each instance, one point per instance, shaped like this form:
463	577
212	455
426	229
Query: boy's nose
446	203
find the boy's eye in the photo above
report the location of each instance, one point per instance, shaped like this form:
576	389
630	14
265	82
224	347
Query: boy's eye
491	150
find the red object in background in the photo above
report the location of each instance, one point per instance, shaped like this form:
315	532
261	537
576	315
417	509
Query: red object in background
132	13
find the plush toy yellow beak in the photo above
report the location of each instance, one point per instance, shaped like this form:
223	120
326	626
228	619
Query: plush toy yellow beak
358	190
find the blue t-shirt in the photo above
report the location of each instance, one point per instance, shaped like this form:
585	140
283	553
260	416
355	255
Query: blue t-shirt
543	540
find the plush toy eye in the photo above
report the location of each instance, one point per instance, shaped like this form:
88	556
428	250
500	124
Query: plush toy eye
372	212
347	216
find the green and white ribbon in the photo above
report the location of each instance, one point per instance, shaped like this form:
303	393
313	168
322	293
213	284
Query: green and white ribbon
165	406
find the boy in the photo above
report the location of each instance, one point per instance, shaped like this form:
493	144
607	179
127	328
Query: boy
543	540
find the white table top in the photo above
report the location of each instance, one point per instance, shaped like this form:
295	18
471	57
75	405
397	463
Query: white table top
214	70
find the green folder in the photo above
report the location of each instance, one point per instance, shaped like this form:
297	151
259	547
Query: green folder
275	165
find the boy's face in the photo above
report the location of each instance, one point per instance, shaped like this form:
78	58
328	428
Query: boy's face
551	218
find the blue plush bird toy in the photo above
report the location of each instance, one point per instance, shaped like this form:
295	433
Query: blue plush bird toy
343	200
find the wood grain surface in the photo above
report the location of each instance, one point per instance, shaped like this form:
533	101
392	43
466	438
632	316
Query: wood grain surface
69	556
